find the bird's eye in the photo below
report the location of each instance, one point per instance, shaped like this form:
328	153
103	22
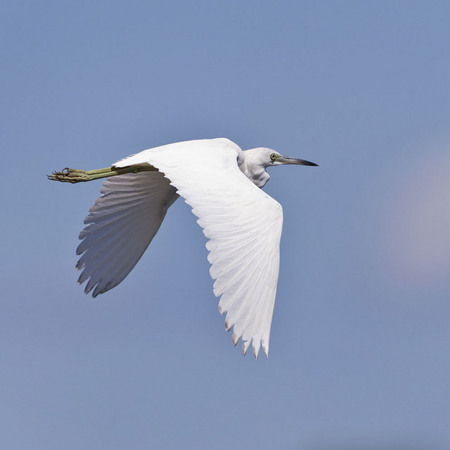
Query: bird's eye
273	156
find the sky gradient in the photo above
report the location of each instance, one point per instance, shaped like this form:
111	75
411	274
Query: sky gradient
360	341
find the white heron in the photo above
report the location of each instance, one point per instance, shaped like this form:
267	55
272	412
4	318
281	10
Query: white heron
222	184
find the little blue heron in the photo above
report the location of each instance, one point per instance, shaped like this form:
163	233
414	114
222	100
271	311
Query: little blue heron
222	184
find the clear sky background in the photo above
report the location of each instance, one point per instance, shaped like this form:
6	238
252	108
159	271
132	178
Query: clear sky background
360	342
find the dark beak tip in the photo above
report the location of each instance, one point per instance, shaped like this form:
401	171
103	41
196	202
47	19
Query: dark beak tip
309	163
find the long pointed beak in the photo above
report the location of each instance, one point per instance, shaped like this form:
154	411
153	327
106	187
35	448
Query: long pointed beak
300	162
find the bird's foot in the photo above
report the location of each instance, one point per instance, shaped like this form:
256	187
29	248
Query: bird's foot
76	175
69	175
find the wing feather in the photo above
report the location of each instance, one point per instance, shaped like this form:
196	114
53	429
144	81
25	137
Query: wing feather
120	226
242	224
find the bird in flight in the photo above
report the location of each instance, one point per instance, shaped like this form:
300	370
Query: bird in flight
222	184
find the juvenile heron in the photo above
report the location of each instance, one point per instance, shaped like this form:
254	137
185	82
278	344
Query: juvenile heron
222	184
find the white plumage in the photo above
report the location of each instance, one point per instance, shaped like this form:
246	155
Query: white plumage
120	226
242	224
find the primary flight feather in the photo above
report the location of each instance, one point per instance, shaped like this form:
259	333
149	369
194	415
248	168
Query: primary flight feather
222	184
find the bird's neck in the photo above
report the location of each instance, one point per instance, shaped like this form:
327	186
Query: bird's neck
250	165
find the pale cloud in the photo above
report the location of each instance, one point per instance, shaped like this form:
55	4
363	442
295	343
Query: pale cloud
415	240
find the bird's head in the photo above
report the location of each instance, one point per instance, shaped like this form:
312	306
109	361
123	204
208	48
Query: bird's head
272	158
257	160
266	157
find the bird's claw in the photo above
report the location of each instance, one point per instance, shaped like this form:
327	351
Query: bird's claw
68	175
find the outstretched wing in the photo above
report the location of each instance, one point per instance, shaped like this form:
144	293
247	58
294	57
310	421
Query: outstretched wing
242	223
120	226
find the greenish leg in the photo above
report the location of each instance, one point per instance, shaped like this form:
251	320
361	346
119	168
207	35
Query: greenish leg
76	175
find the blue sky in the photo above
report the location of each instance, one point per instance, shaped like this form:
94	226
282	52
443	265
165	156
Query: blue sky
360	339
